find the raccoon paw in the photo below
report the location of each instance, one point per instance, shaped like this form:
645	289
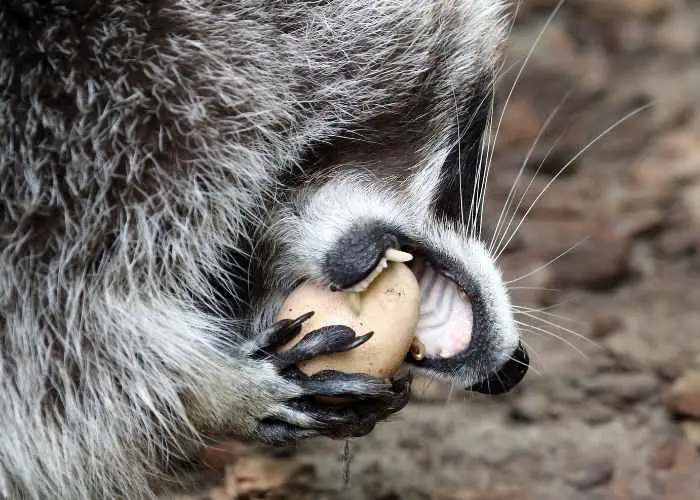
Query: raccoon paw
359	403
360	255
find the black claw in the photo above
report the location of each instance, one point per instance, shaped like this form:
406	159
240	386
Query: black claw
352	414
358	341
296	324
325	340
382	407
402	393
361	401
282	332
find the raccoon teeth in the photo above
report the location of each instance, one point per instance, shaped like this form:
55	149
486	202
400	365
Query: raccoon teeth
417	350
391	255
365	283
394	255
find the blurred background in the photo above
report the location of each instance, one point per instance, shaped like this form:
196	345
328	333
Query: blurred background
606	277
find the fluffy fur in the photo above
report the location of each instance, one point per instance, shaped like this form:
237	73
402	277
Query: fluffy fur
168	168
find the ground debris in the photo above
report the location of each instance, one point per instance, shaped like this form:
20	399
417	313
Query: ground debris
683	398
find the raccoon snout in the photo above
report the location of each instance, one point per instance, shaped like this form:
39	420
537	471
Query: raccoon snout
508	377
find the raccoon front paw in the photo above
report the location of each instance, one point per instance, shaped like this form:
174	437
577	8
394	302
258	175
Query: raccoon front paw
359	403
360	255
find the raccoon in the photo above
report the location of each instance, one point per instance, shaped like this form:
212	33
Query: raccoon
171	169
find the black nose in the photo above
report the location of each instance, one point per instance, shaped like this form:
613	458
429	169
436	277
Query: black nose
505	379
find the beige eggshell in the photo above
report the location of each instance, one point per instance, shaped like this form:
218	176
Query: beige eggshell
389	308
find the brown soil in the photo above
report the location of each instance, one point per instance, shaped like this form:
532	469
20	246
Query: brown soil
611	409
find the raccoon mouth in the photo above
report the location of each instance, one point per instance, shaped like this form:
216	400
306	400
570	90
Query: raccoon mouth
453	332
446	320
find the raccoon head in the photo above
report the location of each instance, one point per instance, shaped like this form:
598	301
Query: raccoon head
404	168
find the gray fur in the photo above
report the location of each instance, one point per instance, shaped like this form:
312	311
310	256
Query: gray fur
140	141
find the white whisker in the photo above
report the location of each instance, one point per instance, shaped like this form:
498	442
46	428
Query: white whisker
546	25
568	164
539	288
459	162
498	249
549	263
562	328
483	177
511	192
478	189
534	356
553	335
535	310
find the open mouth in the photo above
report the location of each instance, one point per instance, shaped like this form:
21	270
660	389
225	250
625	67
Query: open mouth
446	314
452	329
456	332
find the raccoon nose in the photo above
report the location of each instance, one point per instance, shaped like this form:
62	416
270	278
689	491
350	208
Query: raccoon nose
509	376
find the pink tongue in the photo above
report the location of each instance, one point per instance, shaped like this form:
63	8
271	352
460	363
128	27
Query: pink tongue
445	325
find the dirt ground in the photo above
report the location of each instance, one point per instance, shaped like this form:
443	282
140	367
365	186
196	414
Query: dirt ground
611	408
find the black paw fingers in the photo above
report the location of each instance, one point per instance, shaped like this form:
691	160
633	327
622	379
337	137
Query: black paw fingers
332	383
326	340
351	406
351	416
280	333
331	403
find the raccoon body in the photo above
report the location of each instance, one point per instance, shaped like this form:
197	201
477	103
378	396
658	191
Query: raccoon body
171	169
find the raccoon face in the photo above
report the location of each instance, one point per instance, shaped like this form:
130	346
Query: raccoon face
398	163
358	204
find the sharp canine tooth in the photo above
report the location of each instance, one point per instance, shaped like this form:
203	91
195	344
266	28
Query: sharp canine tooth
383	264
398	256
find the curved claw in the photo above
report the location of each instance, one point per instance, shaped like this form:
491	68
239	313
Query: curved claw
326	340
281	332
361	401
